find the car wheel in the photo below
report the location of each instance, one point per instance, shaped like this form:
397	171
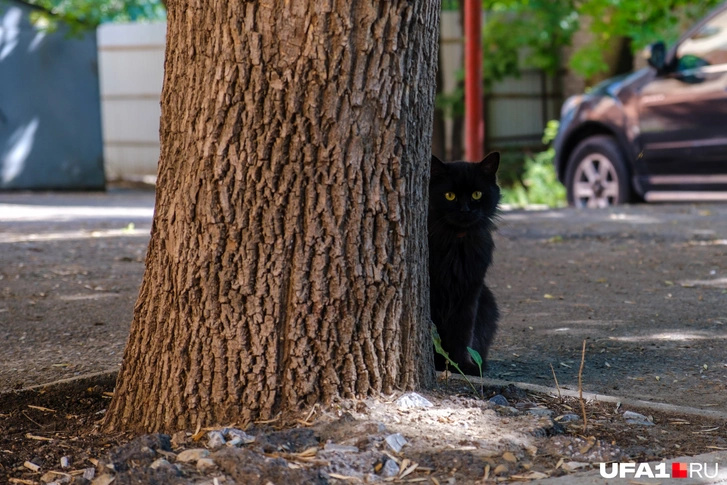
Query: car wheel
597	176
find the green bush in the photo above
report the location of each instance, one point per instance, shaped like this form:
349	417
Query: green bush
539	183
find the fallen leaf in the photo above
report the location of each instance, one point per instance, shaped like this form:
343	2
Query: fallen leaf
530	476
342	477
409	470
508	456
500	469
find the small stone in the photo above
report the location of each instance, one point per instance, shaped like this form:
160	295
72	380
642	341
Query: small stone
65	462
570	466
234	442
413	400
237	437
105	479
540	412
215	439
191	455
396	442
205	465
500	469
507	411
499	400
637	419
160	463
390	469
568	418
49	477
89	473
340	448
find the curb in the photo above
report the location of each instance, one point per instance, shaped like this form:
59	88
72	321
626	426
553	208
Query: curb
590	396
92	377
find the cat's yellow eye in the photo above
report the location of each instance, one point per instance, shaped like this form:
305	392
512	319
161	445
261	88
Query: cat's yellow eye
476	195
450	196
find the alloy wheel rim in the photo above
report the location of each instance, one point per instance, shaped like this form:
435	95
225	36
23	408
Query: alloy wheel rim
595	184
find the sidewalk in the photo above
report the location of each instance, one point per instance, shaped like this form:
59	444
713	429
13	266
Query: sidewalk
644	286
70	269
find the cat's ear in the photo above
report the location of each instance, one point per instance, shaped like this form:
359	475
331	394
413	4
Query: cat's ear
490	163
437	167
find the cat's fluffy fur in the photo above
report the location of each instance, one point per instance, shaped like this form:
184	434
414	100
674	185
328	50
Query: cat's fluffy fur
460	251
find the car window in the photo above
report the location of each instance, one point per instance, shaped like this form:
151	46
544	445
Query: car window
708	46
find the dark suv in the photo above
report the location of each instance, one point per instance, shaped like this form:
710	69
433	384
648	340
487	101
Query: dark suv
656	134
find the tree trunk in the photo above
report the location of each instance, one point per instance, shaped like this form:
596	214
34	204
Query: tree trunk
287	262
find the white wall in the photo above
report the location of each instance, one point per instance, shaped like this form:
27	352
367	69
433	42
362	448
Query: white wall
451	44
131	69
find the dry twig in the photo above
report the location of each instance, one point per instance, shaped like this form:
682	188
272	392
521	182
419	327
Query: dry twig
557	386
41	408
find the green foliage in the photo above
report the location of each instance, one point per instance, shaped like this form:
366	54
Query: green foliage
512	166
88	14
450	4
539	185
530	33
437	340
452	103
521	34
642	21
476	357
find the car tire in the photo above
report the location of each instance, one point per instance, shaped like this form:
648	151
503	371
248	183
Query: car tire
596	175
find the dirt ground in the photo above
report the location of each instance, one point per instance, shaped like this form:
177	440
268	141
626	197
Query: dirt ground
459	437
645	286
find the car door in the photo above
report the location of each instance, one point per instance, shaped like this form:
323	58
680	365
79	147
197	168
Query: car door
683	114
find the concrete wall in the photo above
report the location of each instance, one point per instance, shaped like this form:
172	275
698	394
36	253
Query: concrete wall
50	122
131	67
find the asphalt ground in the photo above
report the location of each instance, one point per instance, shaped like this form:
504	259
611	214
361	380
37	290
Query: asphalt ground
645	286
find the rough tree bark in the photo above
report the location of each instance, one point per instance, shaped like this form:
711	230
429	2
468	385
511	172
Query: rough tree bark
287	262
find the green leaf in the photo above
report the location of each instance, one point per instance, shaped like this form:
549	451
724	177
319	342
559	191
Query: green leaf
436	339
475	356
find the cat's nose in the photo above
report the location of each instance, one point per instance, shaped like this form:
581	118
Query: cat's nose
464	208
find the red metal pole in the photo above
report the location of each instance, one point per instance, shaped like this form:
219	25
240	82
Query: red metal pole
473	112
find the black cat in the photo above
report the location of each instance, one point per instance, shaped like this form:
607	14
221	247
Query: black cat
463	200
